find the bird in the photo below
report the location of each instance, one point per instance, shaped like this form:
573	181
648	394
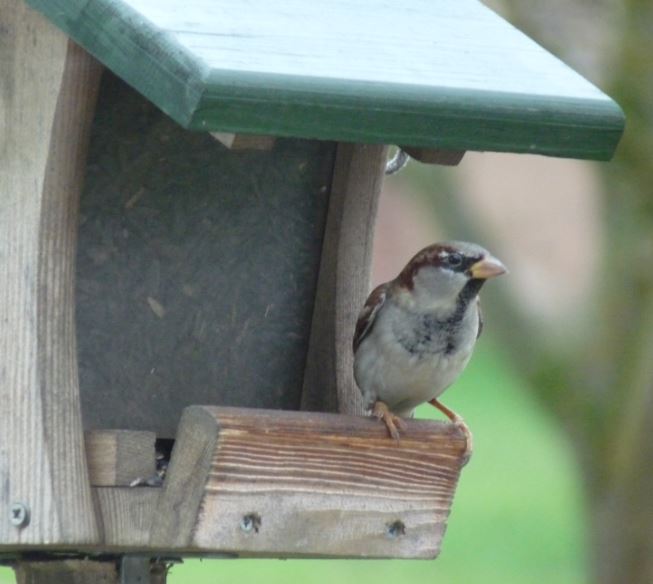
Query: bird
415	334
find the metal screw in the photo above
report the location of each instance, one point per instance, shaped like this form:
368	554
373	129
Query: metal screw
19	515
396	529
251	522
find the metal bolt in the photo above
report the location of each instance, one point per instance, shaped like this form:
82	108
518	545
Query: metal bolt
397	162
396	529
251	522
19	515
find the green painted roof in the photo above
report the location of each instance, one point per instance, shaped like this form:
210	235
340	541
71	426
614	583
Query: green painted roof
432	73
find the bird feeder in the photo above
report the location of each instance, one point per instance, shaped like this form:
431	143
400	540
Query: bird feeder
186	217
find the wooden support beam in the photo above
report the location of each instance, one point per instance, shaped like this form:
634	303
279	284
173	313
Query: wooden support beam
120	457
130	569
343	283
67	572
49	91
244	141
258	482
435	156
127	514
135	569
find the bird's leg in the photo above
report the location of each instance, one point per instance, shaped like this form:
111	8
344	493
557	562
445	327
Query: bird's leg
393	422
459	423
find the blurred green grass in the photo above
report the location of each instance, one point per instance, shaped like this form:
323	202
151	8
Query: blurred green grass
517	516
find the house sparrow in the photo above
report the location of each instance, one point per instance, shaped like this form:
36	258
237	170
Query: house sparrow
416	333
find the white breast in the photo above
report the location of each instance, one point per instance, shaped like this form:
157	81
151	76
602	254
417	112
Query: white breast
385	370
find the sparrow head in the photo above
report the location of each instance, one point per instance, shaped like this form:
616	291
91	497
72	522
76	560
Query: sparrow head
443	274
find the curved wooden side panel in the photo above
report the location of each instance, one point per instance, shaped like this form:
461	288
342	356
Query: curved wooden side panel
343	283
49	87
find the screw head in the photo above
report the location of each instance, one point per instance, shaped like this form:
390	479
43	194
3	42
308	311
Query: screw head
250	522
19	515
396	529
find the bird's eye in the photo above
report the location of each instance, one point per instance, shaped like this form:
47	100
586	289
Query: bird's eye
454	260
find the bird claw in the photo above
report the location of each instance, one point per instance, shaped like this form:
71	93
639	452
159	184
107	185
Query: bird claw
469	439
459	423
392	422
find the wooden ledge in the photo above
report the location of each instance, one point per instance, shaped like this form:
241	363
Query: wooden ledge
435	155
258	482
244	141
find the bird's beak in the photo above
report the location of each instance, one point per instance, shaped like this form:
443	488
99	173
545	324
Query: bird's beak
489	267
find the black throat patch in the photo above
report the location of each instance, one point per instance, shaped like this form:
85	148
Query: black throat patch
432	335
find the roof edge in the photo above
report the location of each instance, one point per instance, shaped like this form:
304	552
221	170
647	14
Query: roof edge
159	67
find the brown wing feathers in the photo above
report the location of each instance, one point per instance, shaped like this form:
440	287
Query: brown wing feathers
368	314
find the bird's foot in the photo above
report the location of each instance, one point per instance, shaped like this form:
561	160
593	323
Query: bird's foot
392	422
460	424
469	439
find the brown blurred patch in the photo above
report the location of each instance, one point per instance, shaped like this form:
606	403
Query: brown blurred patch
543	215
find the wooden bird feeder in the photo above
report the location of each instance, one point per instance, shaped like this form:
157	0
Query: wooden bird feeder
187	201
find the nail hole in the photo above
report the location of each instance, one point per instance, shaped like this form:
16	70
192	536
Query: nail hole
396	529
251	522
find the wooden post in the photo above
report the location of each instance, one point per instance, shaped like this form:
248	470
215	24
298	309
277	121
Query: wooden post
49	89
343	282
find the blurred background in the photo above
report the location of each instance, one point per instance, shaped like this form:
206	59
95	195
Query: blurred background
559	393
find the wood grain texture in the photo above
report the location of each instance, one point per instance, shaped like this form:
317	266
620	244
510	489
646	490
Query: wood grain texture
119	457
126	515
139	569
49	90
185	479
304	484
426	73
435	156
67	572
343	282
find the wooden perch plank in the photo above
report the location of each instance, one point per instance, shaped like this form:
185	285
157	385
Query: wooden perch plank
119	457
127	514
48	99
435	156
290	483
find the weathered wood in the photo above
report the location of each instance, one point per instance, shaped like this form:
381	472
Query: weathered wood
244	141
119	457
126	514
434	74
186	479
435	156
288	483
142	570
49	89
343	282
196	270
66	572
128	569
